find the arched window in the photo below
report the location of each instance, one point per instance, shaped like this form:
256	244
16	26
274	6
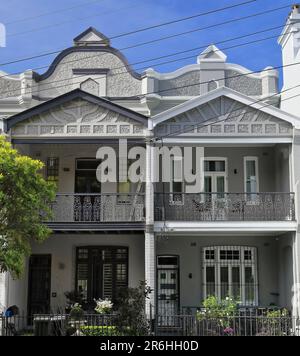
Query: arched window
231	271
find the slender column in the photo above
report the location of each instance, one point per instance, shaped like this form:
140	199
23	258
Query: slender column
295	171
150	251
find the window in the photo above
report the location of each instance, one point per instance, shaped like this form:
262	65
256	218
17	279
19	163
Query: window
215	178
231	271
101	272
215	166
87	164
251	177
176	181
125	189
52	169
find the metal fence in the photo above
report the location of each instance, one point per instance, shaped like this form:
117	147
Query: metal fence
224	207
58	325
176	325
189	325
83	208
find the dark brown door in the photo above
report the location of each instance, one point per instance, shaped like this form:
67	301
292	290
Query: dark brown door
39	284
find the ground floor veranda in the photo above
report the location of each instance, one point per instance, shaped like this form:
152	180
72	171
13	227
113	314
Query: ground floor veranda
257	270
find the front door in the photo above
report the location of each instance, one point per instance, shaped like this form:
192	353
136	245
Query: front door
86	181
167	288
87	201
39	284
215	188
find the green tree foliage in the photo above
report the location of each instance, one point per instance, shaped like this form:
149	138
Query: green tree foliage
131	319
25	199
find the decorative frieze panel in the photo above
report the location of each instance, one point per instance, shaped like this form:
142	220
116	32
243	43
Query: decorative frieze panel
79	118
224	117
9	88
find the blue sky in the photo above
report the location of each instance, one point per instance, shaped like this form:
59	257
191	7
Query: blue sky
57	30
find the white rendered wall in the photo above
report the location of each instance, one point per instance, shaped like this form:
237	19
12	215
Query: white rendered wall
63	251
274	288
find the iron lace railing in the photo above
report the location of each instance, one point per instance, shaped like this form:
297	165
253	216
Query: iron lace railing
224	207
98	208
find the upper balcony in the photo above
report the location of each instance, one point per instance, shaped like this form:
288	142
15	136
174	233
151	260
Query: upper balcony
98	212
210	207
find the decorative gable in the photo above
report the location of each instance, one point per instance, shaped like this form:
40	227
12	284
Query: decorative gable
78	118
91	37
212	54
224	116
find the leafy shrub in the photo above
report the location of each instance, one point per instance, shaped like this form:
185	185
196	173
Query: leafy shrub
219	315
131	319
99	331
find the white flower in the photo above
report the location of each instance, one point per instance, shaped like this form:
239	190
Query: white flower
103	306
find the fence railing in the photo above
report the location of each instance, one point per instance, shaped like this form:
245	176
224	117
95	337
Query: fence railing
98	208
58	325
224	207
161	325
189	325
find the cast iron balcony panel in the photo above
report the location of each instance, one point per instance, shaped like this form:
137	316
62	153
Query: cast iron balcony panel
224	207
98	208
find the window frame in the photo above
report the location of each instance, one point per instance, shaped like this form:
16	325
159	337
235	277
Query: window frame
56	169
242	263
256	160
213	175
89	261
172	201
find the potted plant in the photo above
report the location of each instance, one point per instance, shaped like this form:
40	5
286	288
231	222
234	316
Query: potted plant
73	297
76	320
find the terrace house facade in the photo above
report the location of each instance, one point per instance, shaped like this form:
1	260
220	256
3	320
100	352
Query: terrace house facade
236	235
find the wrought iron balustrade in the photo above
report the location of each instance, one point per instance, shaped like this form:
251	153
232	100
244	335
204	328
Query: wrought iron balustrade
98	208
224	207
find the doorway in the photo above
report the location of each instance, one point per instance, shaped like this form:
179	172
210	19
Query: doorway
39	284
87	201
168	286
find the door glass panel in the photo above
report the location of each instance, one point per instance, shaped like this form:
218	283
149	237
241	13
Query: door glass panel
249	285
251	179
208	188
236	293
224	282
220	187
107	280
210	281
86	182
176	186
208	184
82	279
